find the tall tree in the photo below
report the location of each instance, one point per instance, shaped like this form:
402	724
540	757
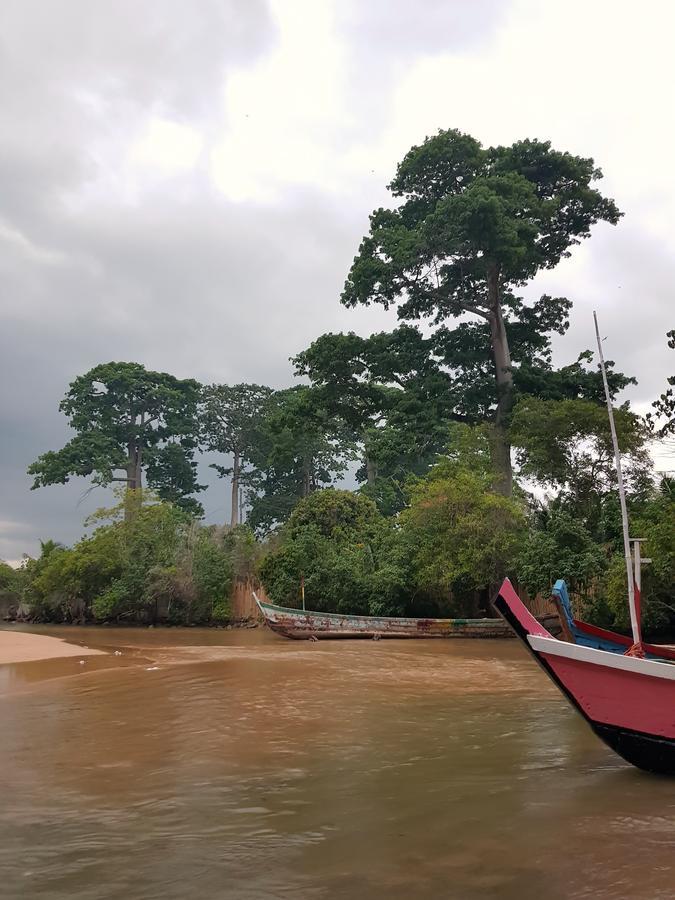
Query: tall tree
230	418
127	420
299	447
474	224
392	392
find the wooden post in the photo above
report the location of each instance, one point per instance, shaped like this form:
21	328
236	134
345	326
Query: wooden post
302	590
638	561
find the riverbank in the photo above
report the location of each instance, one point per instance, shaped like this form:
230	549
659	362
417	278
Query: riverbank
21	646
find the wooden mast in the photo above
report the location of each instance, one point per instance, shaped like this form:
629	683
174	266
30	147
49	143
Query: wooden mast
634	616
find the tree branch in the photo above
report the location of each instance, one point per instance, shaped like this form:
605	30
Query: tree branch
440	297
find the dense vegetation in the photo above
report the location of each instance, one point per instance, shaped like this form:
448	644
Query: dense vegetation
473	455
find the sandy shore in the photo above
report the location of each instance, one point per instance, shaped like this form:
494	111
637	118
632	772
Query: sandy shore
20	646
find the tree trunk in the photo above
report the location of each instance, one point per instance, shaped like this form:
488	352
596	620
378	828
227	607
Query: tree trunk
307	478
371	470
236	472
133	481
139	458
500	445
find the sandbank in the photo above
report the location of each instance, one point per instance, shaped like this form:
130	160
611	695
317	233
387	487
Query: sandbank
21	646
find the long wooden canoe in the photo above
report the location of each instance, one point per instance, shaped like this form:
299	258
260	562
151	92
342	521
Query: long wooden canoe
308	625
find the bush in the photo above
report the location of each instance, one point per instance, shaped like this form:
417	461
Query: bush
346	551
460	537
159	565
212	575
561	547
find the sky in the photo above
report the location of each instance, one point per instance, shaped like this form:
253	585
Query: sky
185	185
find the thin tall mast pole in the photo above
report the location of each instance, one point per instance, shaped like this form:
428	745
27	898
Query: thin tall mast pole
635	624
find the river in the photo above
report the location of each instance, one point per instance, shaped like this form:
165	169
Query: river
234	764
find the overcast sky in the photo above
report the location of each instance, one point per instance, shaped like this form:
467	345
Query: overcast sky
185	185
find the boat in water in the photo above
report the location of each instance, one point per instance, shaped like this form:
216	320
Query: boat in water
629	702
625	693
302	624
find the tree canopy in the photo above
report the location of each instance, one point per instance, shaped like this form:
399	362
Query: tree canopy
473	224
230	418
128	420
299	447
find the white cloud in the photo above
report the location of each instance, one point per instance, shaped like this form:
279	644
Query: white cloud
284	115
166	147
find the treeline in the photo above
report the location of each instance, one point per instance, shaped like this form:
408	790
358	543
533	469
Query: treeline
474	455
158	565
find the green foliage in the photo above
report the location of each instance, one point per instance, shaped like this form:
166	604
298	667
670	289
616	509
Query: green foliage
299	448
212	575
11	588
127	420
465	207
655	522
461	538
560	546
395	397
230	415
244	551
566	446
567	443
662	421
10	578
156	564
346	551
231	419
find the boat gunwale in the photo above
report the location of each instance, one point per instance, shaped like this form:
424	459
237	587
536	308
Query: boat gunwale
315	612
650	668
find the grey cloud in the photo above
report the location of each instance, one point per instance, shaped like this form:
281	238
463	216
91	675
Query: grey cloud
161	52
626	276
200	287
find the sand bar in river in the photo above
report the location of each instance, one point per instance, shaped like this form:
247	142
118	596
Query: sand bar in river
20	646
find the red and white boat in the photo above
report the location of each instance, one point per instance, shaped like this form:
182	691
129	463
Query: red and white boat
627	699
629	702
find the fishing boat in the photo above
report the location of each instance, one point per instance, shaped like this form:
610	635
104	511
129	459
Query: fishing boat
302	624
626	698
629	702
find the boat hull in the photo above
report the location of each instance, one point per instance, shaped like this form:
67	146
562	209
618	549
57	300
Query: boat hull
628	702
304	625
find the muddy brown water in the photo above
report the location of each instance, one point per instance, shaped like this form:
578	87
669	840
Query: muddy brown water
214	764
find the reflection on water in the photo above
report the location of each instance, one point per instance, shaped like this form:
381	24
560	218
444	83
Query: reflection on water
214	764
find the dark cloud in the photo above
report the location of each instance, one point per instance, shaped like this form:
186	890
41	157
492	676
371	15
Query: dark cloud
77	287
